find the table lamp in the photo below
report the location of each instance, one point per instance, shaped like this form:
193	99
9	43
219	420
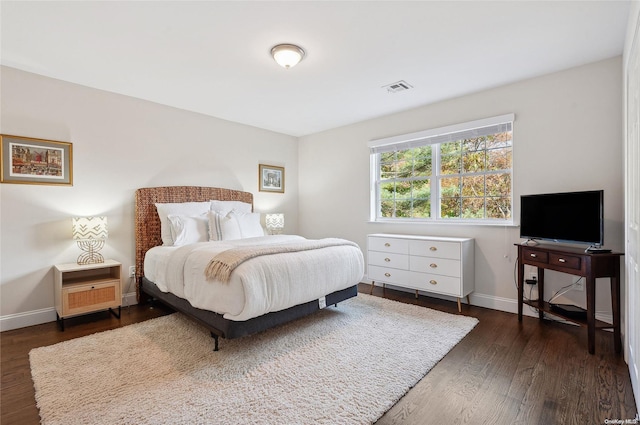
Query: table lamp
90	234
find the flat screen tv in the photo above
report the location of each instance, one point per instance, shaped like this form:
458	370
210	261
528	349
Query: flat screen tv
573	217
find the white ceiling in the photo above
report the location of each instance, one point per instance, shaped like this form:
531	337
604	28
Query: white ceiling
212	57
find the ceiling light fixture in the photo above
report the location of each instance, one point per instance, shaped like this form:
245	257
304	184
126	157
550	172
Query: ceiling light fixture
287	55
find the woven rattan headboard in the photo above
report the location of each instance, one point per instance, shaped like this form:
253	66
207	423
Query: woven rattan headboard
147	224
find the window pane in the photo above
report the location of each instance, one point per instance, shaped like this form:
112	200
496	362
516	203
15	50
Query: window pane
403	190
421	208
421	189
499	159
473	162
450	207
387	209
451	148
473	145
387	157
473	207
403	209
499	140
499	208
387	190
499	184
450	187
473	185
388	170
450	164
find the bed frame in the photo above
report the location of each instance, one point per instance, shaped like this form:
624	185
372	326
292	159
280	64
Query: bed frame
147	233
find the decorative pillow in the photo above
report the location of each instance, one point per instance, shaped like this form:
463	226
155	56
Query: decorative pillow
223	227
186	230
225	207
249	224
189	209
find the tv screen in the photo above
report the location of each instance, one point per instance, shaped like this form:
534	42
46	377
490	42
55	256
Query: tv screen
563	217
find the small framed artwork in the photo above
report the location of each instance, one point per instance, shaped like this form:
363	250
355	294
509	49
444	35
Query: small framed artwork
35	161
271	178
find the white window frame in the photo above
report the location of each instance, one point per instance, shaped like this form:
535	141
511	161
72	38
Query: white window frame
435	137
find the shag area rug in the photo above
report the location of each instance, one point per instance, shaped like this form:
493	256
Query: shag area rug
344	365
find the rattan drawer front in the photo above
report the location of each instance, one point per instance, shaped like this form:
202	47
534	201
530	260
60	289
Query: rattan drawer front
439	266
437	249
80	299
385	259
382	244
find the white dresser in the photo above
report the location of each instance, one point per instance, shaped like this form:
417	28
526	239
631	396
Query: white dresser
424	263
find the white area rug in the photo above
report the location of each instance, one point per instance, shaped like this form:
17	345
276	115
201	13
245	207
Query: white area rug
344	365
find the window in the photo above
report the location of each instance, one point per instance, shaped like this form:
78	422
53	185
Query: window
459	173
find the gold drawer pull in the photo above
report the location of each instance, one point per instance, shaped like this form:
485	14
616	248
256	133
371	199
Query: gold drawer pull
433	265
433	282
387	274
562	260
533	255
387	259
433	248
387	244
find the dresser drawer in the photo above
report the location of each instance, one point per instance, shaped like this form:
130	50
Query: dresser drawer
382	244
530	254
567	261
436	249
388	275
439	266
435	283
387	259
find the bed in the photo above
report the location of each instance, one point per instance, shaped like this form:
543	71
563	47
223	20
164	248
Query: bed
261	291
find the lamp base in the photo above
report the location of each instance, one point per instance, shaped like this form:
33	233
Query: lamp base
91	254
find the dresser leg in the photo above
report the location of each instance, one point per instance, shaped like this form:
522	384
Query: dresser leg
416	294
373	283
459	306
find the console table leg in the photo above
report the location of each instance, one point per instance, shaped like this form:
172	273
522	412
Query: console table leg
615	306
520	289
591	314
541	293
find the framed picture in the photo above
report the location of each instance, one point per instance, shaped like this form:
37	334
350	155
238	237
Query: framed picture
270	178
35	161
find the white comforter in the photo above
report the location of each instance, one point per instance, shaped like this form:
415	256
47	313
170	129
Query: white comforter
258	286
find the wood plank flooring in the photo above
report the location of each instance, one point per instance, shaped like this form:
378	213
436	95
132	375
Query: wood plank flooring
503	372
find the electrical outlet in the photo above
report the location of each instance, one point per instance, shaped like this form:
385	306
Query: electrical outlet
579	285
132	271
533	273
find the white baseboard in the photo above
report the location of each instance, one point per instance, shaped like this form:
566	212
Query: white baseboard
495	303
28	318
45	315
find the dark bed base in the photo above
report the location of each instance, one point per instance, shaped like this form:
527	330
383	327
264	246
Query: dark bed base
221	327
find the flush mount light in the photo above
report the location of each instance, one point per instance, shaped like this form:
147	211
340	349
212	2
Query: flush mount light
287	55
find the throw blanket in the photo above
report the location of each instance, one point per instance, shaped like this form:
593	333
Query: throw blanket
224	263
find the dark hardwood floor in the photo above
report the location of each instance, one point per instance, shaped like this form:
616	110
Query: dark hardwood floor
503	372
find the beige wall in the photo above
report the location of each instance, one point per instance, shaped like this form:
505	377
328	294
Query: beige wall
567	136
119	144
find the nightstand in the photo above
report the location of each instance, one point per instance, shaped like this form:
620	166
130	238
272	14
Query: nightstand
86	288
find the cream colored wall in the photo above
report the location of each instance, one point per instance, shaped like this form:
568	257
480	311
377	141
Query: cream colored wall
567	136
119	144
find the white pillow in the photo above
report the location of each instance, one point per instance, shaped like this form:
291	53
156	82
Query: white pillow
223	227
225	207
189	209
186	230
249	223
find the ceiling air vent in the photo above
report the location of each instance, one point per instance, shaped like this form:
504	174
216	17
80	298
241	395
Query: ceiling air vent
397	86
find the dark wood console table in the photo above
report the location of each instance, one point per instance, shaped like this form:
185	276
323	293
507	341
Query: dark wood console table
576	262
